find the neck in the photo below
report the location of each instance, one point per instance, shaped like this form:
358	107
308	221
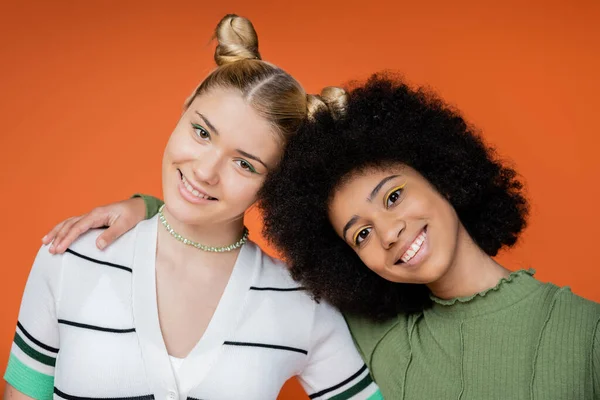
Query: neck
223	233
472	271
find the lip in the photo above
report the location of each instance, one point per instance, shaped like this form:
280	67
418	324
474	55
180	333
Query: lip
405	247
195	187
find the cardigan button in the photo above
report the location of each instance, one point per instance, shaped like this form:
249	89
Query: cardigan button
172	395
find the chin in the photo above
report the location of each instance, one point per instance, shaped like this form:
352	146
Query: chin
433	272
423	273
179	208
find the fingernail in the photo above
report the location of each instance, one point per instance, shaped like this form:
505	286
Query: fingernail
44	239
51	249
101	244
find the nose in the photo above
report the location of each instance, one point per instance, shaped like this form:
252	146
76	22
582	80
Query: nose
389	230
207	168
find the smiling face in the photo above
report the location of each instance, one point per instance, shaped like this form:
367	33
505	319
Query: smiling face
217	158
398	224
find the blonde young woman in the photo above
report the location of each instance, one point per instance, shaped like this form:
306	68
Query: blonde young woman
184	306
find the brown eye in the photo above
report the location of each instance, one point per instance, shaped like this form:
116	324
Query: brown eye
245	165
201	132
393	196
362	235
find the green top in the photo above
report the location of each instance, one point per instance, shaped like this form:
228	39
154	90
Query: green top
522	339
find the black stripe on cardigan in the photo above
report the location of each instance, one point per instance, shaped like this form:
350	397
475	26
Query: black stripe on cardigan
34	340
266	346
71	397
95	328
339	385
274	289
99	261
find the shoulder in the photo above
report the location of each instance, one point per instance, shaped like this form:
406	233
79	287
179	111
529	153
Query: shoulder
46	272
567	311
273	273
368	334
274	278
571	307
568	306
119	253
272	290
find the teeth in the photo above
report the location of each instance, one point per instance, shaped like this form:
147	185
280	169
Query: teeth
191	189
414	248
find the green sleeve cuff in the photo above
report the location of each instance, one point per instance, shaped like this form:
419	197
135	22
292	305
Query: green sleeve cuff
29	381
152	204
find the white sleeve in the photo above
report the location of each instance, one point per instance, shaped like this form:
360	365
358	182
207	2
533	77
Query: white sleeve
35	346
334	369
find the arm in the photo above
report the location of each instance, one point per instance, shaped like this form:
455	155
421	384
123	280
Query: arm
596	362
10	393
30	370
151	203
334	369
120	217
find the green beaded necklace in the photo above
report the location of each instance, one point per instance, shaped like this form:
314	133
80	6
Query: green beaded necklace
200	246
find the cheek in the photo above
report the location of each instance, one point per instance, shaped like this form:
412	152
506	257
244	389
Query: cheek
444	233
446	215
181	145
374	259
239	189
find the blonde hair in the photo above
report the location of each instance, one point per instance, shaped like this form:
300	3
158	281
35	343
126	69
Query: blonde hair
272	92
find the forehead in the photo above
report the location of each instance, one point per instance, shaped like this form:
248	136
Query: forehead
366	179
350	197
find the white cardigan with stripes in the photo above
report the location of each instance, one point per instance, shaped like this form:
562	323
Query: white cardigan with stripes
88	329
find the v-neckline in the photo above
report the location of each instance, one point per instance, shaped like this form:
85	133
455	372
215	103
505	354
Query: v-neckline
223	322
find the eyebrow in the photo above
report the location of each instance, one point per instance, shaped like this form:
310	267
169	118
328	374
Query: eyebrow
379	186
207	122
349	225
255	158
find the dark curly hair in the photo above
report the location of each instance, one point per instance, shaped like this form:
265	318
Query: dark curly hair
386	122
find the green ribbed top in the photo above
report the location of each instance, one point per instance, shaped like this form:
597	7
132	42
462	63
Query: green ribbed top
522	339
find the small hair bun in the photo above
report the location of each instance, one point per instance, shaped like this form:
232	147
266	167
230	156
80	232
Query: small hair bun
237	40
332	98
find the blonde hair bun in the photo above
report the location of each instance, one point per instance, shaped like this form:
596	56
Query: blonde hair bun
331	98
237	40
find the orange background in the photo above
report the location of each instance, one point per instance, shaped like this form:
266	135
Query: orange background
90	91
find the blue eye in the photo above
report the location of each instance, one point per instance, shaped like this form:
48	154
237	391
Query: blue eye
200	132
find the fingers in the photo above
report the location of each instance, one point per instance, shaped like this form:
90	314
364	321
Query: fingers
52	234
62	232
97	218
130	213
117	228
120	217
